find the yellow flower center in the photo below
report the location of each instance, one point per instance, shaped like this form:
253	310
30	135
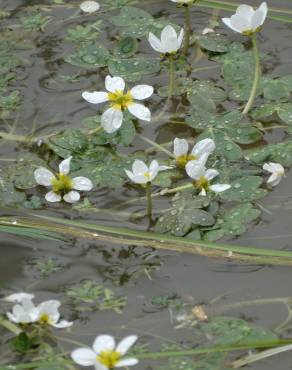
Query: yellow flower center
251	32
182	160
147	175
119	100
44	319
109	358
62	184
202	183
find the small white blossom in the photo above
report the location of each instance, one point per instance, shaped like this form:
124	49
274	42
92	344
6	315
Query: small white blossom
18	297
112	118
169	41
246	20
142	174
277	173
63	187
46	313
105	354
89	6
200	151
202	176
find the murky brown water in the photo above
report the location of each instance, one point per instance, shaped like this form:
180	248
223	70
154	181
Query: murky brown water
54	105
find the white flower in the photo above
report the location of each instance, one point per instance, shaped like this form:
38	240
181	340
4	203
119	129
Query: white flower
112	118
46	313
63	187
105	354
246	20
18	297
277	173
169	43
142	174
202	176
200	151
89	6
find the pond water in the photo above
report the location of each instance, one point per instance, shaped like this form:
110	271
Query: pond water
159	286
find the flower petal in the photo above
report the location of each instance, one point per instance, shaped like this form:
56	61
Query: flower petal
195	169
227	22
131	361
218	188
140	111
63	324
245	11
104	343
180	147
64	166
139	167
155	42
274	179
273	167
153	169
84	356
18	297
82	183
203	146
126	343
111	120
211	174
180	37
71	197
53	197
95	97
114	83
43	176
141	92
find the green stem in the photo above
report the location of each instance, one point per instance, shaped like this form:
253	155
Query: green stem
171	77
12	137
257	74
156	145
187	29
191	352
149	202
171	86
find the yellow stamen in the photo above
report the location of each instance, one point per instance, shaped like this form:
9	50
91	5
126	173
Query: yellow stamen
119	100
182	160
109	358
202	183
44	319
147	175
62	184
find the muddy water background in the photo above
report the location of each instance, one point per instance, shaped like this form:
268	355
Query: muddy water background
54	105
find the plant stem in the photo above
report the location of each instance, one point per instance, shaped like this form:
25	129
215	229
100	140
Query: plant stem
171	77
149	202
12	137
187	29
257	74
171	86
155	145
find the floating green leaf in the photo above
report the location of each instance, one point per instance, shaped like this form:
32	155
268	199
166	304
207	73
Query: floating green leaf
89	56
187	211
133	69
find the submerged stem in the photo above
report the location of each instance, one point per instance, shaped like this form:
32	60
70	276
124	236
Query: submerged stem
257	74
187	29
149	202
